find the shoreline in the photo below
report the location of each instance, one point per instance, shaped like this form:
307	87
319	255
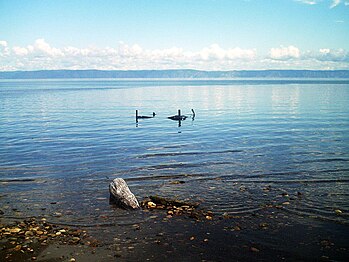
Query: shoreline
270	234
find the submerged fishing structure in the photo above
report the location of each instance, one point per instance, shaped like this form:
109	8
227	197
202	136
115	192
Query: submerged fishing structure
179	117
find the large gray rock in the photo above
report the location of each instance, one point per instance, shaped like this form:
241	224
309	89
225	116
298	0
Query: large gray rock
121	195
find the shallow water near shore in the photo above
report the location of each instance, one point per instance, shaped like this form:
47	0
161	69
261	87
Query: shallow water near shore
252	145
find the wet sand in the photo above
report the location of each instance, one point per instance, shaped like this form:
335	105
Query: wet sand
271	234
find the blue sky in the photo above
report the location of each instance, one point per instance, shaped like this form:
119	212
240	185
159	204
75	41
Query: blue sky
162	34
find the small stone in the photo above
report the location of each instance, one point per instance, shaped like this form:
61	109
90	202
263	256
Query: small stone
151	204
72	259
286	203
326	243
192	238
34	258
136	227
206	240
263	225
208	217
39	232
29	234
170	212
236	228
75	239
15	230
225	215
58	233
253	249
17	248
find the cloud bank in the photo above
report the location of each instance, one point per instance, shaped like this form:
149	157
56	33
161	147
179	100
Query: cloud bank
332	4
42	56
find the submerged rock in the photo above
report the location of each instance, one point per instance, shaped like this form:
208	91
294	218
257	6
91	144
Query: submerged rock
121	195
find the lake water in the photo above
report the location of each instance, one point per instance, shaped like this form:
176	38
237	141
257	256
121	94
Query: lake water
63	141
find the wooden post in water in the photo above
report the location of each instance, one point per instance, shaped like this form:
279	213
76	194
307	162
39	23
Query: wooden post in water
136	116
179	118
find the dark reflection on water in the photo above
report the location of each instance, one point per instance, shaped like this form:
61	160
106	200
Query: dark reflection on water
64	141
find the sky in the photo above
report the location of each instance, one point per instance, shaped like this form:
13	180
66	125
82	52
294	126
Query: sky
174	34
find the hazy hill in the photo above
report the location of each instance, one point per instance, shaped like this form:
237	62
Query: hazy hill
185	73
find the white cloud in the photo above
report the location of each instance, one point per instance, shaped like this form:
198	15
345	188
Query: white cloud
308	2
41	55
326	54
3	43
324	51
4	50
284	53
20	51
212	52
41	46
335	3
216	52
127	50
239	53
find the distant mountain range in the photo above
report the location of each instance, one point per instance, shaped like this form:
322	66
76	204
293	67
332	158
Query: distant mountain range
182	73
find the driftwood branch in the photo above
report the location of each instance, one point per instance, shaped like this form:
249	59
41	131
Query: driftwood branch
121	195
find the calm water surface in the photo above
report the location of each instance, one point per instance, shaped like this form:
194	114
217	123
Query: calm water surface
250	142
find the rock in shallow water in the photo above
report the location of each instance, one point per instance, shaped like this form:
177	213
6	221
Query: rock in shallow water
121	195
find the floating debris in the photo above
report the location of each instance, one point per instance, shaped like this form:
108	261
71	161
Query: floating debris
338	211
177	182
